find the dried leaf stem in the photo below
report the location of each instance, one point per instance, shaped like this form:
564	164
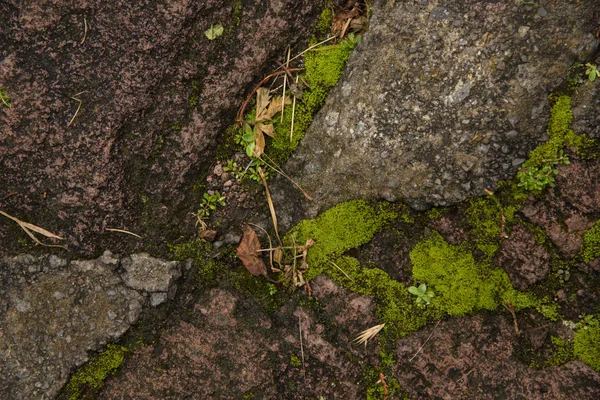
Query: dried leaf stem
423	345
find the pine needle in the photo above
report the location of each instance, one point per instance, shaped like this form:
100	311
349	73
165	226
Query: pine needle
368	334
343	272
124	231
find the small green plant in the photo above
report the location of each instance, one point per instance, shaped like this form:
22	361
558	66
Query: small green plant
536	179
591	72
214	31
4	97
424	295
236	171
210	203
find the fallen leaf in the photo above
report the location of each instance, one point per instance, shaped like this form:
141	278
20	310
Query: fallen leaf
207	235
266	129
262	102
259	143
275	106
247	251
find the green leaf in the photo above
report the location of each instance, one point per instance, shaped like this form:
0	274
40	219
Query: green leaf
413	290
214	31
250	149
422	288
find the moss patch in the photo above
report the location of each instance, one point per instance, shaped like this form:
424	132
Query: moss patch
337	230
323	69
92	376
462	285
590	249
586	344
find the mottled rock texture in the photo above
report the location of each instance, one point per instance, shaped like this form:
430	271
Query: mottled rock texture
475	357
524	259
154	92
52	313
228	348
441	100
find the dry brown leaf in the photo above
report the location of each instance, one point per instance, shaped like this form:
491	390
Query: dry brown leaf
266	129
259	142
275	106
278	255
247	251
262	102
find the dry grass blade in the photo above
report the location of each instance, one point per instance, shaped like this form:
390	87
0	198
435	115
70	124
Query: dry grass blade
368	334
280	172
293	115
426	341
287	65
28	228
301	344
85	30
124	231
270	201
343	272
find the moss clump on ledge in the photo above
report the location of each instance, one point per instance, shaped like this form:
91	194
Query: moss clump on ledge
323	69
337	230
463	286
91	377
590	248
586	344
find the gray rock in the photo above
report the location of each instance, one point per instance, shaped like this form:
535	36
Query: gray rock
430	96
45	333
150	274
157	298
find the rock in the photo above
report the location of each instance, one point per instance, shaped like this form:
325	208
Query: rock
426	89
568	210
150	274
477	355
153	93
55	319
525	261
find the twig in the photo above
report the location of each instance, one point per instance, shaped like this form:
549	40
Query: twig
285	176
345	28
124	231
85	29
28	228
465	376
9	195
270	245
511	309
301	345
312	47
384	384
423	345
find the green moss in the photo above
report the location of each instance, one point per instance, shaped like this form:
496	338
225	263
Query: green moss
485	220
295	361
590	249
325	19
561	352
323	69
461	284
92	376
436	213
198	251
586	344
341	228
